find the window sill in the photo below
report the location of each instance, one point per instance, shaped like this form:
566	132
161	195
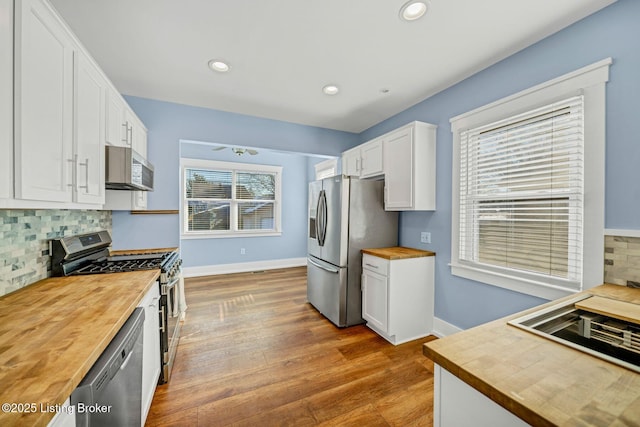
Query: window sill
228	235
535	288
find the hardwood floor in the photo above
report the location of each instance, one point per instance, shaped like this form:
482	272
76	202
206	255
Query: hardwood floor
254	352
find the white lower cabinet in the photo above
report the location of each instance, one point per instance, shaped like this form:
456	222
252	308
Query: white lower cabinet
151	348
397	297
457	404
65	416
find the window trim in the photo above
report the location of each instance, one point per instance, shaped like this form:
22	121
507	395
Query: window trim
590	82
188	163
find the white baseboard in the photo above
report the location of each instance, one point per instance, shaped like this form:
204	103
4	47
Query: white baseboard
242	267
443	329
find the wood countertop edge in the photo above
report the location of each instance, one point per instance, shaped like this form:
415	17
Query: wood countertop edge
497	395
141	251
397	252
65	388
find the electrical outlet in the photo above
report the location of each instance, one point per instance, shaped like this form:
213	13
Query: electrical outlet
425	237
242	251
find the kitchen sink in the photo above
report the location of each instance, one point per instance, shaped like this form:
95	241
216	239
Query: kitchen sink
602	333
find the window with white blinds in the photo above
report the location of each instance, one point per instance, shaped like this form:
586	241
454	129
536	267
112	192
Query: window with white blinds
521	192
225	199
528	176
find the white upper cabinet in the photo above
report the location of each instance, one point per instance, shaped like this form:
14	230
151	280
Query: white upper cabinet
118	200
351	162
89	137
410	168
63	109
364	161
6	98
406	159
44	157
371	161
117	129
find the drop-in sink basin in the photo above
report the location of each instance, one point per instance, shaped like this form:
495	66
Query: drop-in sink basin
601	327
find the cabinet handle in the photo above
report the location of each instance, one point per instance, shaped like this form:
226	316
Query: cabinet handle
86	175
126	133
371	265
357	165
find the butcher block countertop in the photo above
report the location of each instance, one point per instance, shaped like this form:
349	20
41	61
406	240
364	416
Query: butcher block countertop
141	251
543	382
397	252
52	332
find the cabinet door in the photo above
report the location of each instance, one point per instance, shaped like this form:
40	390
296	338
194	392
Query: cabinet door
6	98
398	151
65	417
372	162
89	137
151	348
43	105
117	130
139	201
351	162
133	129
139	143
375	302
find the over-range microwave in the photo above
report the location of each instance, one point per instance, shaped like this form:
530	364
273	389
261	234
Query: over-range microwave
127	170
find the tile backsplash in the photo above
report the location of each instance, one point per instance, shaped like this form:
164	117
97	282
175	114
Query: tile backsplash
621	259
24	241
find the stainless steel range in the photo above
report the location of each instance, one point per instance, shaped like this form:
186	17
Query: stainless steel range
90	254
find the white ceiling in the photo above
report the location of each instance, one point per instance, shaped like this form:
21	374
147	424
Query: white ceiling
282	52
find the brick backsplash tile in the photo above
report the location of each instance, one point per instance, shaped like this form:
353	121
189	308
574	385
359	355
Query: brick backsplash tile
622	259
24	241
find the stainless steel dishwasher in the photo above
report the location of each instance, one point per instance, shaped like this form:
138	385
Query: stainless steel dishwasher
111	392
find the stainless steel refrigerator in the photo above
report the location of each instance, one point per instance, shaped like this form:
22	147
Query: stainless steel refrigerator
345	216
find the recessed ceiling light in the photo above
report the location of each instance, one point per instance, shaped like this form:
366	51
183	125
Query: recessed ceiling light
330	89
413	10
219	66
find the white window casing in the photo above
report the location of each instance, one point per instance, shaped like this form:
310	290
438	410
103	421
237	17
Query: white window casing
227	199
579	97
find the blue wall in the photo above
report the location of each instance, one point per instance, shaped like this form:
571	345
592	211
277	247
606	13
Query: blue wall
168	124
203	252
613	32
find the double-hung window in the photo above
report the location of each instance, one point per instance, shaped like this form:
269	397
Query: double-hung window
528	188
223	199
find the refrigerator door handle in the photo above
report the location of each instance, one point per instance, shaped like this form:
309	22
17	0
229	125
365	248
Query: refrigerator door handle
330	270
322	213
318	219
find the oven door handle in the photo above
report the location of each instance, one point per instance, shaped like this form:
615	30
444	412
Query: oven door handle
163	326
172	284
